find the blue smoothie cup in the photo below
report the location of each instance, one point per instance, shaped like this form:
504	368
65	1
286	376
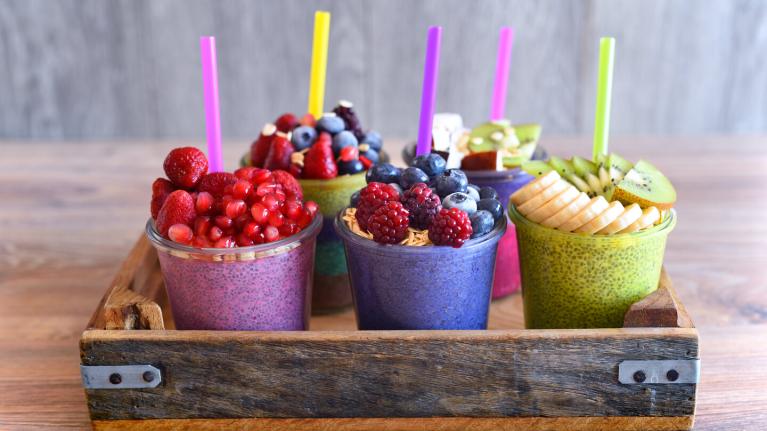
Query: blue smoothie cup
420	287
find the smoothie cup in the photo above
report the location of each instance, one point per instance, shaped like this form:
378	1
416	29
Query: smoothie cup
266	287
572	280
427	287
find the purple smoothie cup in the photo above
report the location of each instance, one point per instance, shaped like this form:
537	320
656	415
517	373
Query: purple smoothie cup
265	287
420	287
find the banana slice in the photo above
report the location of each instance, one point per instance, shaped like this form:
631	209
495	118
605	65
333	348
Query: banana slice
599	222
579	183
554	205
595	207
568	211
594	183
649	216
630	214
541	198
535	187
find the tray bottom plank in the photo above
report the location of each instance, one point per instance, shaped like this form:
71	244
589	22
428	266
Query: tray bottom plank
408	424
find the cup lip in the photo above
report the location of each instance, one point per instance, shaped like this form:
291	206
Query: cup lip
240	253
668	224
348	236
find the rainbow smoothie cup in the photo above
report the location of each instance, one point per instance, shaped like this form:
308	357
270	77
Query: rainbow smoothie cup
572	280
429	287
266	287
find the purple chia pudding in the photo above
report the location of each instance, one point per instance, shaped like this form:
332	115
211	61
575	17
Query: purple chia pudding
420	287
260	288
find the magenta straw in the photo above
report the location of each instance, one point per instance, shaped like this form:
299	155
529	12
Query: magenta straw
429	95
502	62
212	117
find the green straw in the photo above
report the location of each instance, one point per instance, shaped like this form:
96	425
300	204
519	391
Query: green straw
604	88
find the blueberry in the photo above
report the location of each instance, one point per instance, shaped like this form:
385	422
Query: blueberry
342	140
383	173
432	163
373	139
488	192
493	206
412	175
350	167
355	199
303	137
451	181
331	124
482	222
397	188
371	155
473	191
462	201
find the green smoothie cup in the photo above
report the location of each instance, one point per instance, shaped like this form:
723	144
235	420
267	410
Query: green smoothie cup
572	280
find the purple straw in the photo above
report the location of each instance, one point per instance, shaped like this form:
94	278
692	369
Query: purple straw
429	95
210	89
505	40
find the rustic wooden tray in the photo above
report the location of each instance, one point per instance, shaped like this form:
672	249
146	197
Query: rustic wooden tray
337	378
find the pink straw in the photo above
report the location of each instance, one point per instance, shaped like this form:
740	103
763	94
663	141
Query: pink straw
505	40
429	94
210	89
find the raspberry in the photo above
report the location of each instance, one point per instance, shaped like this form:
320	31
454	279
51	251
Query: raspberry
373	196
423	205
289	183
161	188
177	209
450	227
389	223
215	183
185	166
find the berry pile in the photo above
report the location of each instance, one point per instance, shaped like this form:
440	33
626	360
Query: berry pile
323	148
224	210
434	198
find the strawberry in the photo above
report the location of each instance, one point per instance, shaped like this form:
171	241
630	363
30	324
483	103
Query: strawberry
366	162
289	184
260	147
185	166
318	161
215	183
177	209
286	122
279	154
161	188
308	120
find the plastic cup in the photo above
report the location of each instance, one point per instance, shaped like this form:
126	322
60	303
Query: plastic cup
265	287
572	280
428	287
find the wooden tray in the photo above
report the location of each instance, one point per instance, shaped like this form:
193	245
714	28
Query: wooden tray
338	378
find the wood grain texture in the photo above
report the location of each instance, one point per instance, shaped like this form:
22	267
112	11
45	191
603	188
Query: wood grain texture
660	309
91	69
67	228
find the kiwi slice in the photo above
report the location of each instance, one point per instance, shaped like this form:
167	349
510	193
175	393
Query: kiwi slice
481	138
527	133
583	166
564	167
536	167
645	185
617	167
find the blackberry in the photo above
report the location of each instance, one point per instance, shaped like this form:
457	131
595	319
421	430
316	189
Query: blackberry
423	205
352	123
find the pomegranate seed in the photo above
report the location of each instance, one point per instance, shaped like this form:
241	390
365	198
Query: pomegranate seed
292	209
215	233
276	218
242	220
180	233
201	242
311	207
243	240
266	188
245	173
228	189
225	242
251	230
305	219
252	199
235	208
204	203
270	202
271	234
201	225
288	228
223	222
259	213
259	239
280	195
241	189
260	176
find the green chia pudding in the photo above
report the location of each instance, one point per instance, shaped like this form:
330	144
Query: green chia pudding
572	280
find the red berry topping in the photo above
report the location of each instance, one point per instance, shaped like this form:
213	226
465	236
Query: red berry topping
177	209
318	161
373	196
225	242
260	148
241	188
292	209
279	153
349	153
389	223
312	207
271	234
260	213
215	233
450	227
204	203
251	229
215	183
202	225
180	233
235	208
423	205
286	122
161	188
223	222
185	166
289	183
305	219
308	120
366	163
271	202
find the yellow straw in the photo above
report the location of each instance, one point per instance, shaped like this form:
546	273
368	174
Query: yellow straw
319	63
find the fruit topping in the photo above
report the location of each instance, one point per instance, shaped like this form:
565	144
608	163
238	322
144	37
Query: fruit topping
462	201
451	181
431	164
215	183
289	184
185	166
319	162
450	227
373	196
161	188
423	205
383	173
331	124
647	186
389	222
482	222
411	176
493	206
177	209
303	137
286	122
351	122
279	153
260	148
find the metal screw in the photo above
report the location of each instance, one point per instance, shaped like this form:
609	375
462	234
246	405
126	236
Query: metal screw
639	376
115	379
672	375
148	376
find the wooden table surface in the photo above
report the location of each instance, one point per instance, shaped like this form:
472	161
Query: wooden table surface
69	212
